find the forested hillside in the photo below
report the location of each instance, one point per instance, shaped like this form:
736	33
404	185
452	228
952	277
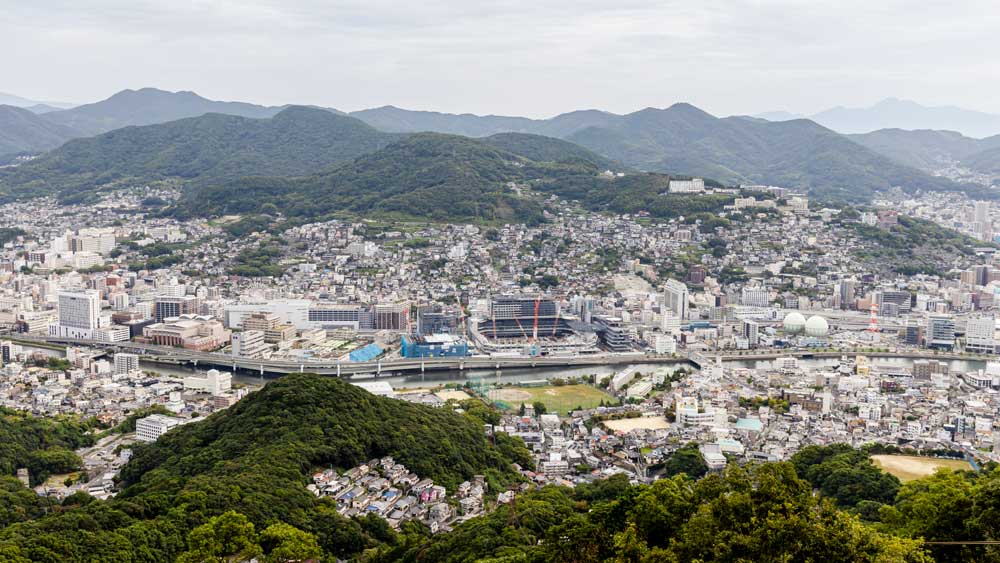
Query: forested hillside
233	487
254	460
198	150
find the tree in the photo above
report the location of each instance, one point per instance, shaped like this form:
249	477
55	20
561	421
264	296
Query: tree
686	460
539	408
226	538
282	542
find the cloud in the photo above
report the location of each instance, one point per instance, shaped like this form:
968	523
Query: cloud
514	56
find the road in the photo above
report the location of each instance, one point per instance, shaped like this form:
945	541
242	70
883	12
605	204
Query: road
179	356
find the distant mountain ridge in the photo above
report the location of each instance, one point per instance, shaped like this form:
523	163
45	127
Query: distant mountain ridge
894	113
23	131
932	150
22	102
149	106
680	139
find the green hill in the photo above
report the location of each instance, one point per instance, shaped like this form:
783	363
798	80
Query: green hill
796	154
683	139
427	175
255	459
23	131
930	150
548	149
209	148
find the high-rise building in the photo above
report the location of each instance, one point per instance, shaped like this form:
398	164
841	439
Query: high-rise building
126	363
940	332
391	316
979	335
675	298
912	332
169	307
79	314
843	296
982	212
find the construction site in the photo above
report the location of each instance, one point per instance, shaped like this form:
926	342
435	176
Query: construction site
530	326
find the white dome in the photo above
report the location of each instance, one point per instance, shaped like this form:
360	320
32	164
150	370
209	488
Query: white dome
794	322
817	326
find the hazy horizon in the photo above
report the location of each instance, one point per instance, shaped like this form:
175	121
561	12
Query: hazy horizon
518	58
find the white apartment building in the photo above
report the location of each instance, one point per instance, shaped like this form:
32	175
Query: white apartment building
126	363
249	344
150	429
214	382
694	185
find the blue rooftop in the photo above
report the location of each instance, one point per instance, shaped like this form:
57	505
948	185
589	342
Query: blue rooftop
365	353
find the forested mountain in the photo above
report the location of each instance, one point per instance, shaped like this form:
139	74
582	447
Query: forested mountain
548	149
452	178
250	464
391	118
426	175
987	161
685	140
209	148
147	106
23	131
797	154
931	150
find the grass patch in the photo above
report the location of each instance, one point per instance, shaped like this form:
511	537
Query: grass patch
561	399
910	467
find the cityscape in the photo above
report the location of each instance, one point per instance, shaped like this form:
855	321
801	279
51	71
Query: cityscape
312	326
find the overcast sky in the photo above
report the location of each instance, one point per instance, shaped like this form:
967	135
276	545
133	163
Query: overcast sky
524	57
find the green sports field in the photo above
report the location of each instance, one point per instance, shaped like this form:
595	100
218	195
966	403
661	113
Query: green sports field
561	399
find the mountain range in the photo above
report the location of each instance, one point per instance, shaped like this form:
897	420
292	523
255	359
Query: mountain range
176	139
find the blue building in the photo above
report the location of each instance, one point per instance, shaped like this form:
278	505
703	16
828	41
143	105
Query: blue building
434	346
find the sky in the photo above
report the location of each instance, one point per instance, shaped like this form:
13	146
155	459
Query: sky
535	58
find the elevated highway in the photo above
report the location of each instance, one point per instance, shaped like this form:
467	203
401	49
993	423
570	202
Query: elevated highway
179	356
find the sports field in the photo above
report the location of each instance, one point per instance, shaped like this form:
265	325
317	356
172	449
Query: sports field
909	467
560	399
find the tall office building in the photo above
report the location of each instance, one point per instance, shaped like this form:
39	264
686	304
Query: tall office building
979	335
940	332
982	212
169	307
79	314
391	316
843	296
675	298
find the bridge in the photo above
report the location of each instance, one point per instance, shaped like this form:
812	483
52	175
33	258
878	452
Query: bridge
394	366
